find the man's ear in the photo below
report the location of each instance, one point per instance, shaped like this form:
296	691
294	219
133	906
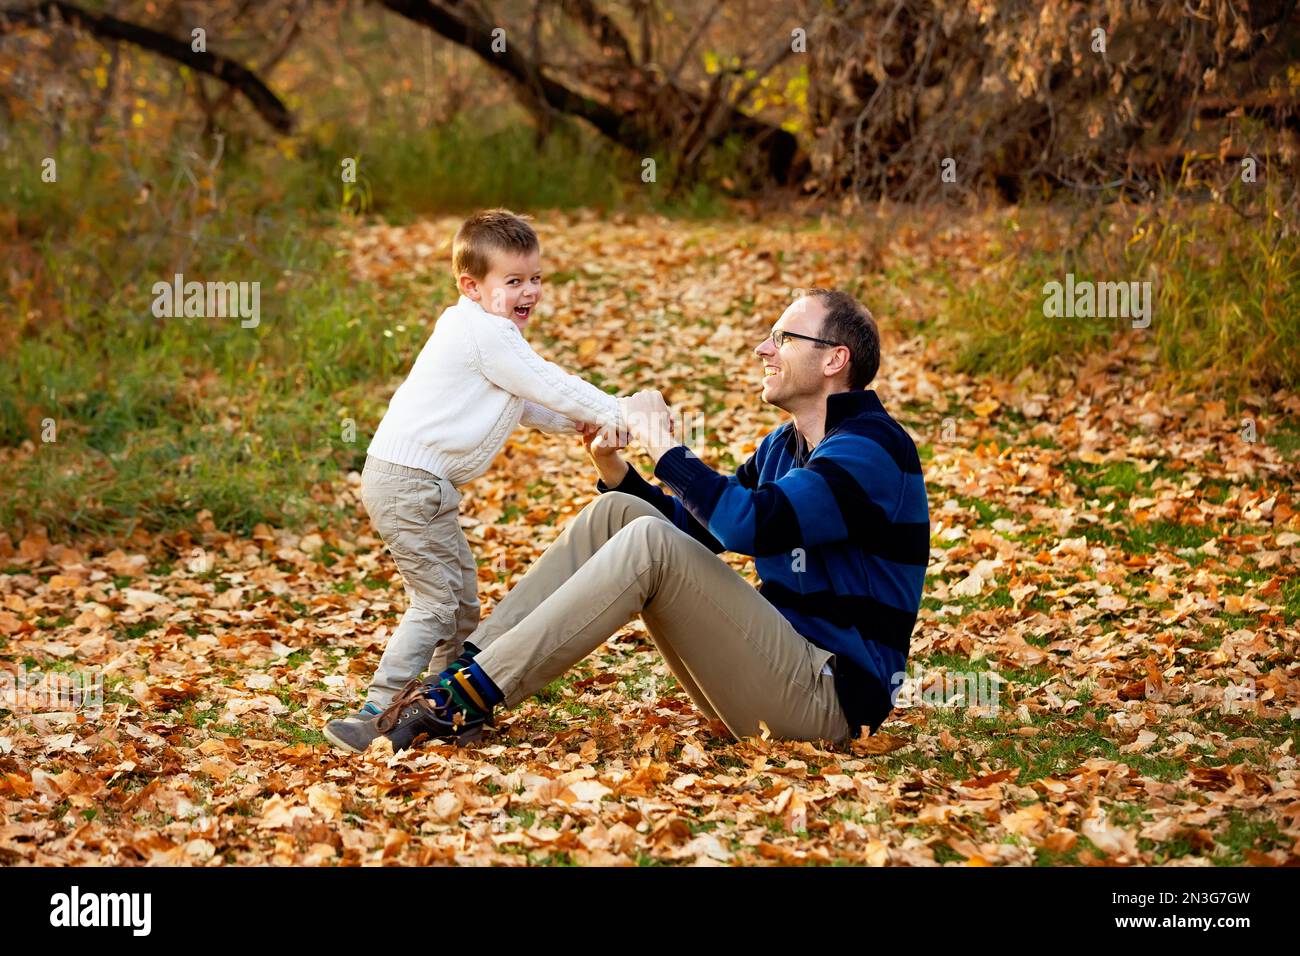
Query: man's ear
838	363
468	286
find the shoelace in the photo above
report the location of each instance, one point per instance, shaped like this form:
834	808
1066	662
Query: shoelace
413	693
416	695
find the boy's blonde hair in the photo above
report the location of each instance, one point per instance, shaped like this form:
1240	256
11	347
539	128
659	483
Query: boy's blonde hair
492	230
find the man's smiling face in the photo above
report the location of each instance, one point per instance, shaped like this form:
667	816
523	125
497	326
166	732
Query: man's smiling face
794	371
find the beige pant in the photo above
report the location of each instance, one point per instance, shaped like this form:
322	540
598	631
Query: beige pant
417	515
733	652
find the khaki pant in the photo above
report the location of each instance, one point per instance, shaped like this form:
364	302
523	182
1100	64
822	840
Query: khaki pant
733	652
417	515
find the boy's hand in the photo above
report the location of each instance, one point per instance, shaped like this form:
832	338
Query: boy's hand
613	439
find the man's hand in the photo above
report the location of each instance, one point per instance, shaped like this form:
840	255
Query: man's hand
602	446
650	422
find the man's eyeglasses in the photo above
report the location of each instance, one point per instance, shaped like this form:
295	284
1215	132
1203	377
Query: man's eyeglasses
779	338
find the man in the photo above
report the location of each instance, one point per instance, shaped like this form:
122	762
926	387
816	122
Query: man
832	506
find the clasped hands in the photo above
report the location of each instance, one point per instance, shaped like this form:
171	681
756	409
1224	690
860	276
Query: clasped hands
650	423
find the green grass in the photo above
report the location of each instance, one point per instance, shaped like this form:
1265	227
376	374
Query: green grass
1285	438
1056	749
1225	295
160	418
1120	479
1154	536
287	730
155	419
1070	857
459	168
1240	831
1291	600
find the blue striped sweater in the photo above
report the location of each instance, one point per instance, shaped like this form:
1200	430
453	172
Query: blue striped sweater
840	536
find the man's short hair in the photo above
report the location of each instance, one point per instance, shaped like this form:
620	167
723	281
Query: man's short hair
850	323
492	230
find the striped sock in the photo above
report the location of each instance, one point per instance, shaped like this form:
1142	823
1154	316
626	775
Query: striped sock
470	688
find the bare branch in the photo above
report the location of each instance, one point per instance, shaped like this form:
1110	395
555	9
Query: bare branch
694	39
50	13
603	30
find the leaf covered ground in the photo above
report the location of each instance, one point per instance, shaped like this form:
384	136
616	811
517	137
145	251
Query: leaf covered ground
1115	555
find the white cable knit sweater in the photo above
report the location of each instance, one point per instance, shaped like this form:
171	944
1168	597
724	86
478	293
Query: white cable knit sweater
474	381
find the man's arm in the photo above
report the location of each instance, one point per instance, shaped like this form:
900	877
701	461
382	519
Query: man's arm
617	475
850	480
851	488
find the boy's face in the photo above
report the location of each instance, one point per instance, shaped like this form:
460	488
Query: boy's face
511	289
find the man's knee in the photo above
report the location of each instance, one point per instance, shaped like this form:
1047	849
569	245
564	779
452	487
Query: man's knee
621	506
657	534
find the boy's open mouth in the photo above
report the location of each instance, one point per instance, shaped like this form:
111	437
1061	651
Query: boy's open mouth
523	311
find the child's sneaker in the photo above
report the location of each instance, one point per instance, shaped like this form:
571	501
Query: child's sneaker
354	733
423	710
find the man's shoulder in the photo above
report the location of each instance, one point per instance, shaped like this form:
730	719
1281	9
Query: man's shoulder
869	436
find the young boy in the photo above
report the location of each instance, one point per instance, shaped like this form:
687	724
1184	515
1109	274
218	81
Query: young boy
474	381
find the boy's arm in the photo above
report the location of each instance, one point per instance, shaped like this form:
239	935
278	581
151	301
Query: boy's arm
509	362
543	419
